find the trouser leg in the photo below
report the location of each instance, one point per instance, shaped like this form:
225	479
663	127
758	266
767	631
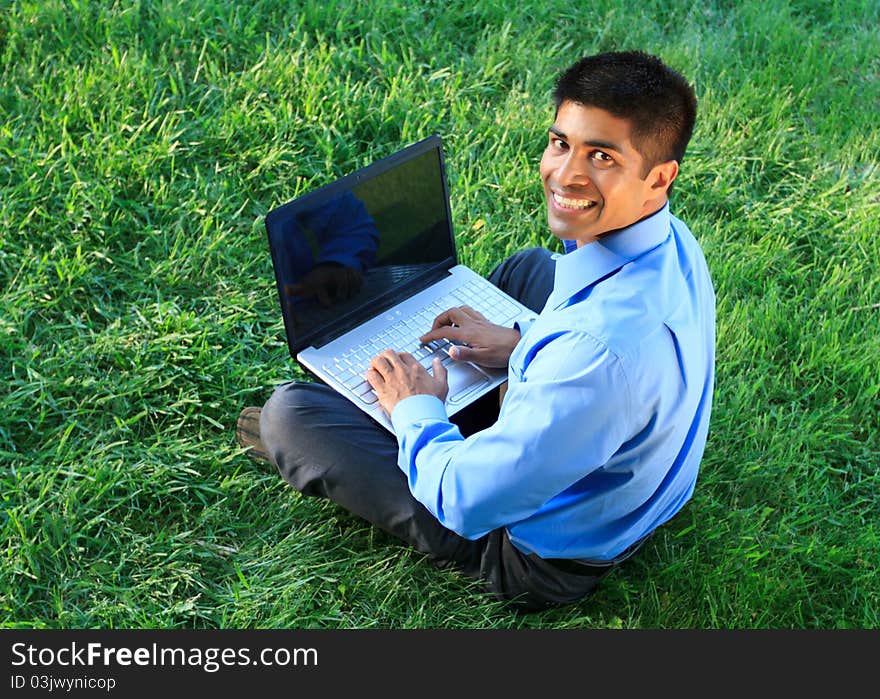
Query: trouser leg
527	276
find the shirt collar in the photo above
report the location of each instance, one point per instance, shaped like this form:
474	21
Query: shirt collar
584	266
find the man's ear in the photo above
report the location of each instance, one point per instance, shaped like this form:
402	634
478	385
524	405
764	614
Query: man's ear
663	175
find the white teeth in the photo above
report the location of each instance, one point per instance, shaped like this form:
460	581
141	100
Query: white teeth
572	203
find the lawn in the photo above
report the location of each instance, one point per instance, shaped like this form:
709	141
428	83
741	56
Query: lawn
143	143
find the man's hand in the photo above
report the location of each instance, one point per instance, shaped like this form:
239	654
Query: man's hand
396	376
329	282
486	344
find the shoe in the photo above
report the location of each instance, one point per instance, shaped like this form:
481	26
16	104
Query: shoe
247	433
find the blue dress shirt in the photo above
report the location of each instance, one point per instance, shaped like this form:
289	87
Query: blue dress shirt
601	433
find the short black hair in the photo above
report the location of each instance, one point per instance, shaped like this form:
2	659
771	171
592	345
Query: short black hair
657	101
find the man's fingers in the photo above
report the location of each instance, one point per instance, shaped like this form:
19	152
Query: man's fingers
451	319
406	358
351	284
448	332
463	353
386	361
471	313
451	316
382	363
374	378
441	321
440	377
323	296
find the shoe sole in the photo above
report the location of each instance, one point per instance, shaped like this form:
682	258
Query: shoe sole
247	434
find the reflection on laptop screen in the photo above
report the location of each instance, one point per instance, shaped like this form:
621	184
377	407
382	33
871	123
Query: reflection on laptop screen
339	250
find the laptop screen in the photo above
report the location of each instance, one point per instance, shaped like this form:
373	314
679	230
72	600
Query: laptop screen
349	250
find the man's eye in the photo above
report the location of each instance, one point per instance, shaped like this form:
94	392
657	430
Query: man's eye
602	156
558	143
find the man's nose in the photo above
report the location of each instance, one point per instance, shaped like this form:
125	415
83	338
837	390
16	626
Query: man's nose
572	172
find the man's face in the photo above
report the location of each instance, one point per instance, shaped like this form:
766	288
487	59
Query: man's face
592	175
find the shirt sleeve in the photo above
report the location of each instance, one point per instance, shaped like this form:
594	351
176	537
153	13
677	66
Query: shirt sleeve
346	233
562	420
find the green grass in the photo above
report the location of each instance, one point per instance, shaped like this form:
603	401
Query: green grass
141	145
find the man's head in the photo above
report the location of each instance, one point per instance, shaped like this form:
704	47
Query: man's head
656	100
623	121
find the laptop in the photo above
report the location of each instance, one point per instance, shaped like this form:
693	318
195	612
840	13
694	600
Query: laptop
367	263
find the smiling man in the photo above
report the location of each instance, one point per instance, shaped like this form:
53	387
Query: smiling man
595	180
602	428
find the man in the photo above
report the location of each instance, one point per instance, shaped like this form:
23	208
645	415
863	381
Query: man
599	437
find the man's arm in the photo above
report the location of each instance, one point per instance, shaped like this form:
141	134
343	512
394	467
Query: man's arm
563	420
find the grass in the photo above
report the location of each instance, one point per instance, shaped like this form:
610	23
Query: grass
141	145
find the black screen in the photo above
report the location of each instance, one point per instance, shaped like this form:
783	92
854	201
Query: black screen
343	250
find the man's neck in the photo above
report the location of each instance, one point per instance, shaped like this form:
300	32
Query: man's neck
648	215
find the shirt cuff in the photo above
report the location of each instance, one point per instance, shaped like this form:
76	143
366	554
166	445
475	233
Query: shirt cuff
523	324
418	408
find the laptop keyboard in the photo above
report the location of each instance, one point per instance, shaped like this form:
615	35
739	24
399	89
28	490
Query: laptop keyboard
350	367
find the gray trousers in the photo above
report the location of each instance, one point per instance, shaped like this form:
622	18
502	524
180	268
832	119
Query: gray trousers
324	446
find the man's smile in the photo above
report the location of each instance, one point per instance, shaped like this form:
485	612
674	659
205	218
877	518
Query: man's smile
573	203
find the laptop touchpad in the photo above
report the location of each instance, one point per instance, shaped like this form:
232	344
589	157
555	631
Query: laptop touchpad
464	379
